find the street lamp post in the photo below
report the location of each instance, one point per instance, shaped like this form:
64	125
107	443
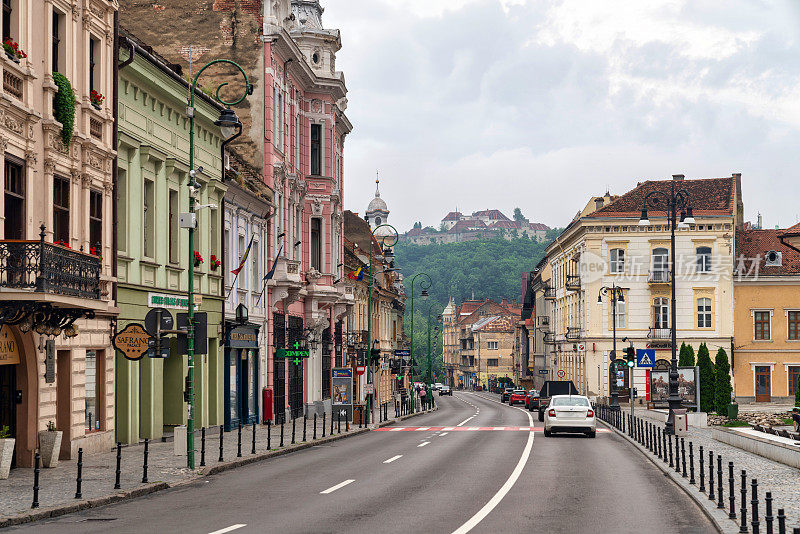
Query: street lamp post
426	284
392	235
229	124
671	202
616	294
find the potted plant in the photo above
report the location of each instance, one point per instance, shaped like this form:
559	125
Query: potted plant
13	51
6	451
50	445
95	251
198	259
97	99
215	263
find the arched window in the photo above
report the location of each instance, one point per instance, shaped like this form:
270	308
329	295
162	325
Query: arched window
617	260
703	259
377	221
704	313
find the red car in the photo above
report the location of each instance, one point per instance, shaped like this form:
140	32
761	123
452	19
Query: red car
518	395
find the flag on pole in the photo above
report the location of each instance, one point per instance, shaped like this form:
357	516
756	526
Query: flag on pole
244	257
358	274
271	272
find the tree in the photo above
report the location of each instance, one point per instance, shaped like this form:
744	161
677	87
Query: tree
518	216
442	227
722	382
706	379
418	224
686	356
797	393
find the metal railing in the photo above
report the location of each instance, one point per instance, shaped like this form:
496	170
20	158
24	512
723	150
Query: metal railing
549	338
660	276
659	333
574	333
573	282
549	293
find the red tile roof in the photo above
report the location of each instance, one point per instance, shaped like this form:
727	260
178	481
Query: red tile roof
453	216
465	226
709	197
507	225
752	247
538	227
494	215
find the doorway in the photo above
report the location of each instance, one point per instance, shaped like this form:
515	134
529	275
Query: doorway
8	408
763	384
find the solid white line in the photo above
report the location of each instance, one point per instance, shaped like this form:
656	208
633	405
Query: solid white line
337	486
392	459
494	501
423	443
464	421
228	529
444	433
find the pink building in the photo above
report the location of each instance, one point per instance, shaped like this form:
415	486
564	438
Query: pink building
304	131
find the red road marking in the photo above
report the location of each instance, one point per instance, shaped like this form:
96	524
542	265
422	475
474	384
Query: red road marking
469	428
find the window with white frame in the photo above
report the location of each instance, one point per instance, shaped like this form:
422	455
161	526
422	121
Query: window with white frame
620	314
704	259
704	312
617	260
492	345
660	313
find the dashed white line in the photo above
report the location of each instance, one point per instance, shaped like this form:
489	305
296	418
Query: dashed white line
462	423
392	459
444	433
423	443
228	529
337	486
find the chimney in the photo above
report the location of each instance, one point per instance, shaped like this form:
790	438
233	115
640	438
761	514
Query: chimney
598	203
678	177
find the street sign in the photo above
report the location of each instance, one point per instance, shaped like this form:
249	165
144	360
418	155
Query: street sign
402	353
156	316
369	389
645	357
581	347
200	333
360	370
561	373
132	341
543	371
151	351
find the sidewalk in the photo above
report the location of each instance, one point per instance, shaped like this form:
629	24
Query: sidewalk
57	486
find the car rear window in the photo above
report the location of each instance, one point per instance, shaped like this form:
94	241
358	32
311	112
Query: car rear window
570	401
534	393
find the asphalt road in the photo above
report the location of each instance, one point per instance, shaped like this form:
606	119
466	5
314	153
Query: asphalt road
448	480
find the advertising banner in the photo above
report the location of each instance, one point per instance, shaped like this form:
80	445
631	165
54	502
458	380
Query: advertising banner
688	387
342	391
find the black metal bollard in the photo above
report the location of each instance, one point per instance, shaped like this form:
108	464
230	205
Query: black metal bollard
294	426
670	451
239	441
79	479
691	464
331	423
346	424
623	425
35	503
711	475
768	519
754	505
282	422
702	471
305	421
324	425
743	505
253	450
781	521
269	434
720	498
119	465
658	437
731	498
664	433
203	447
361	418
315	427
683	457
386	412
144	465
677	456
338	422
647	435
221	440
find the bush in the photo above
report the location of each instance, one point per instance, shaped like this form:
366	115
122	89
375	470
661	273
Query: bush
706	379
722	382
64	107
686	356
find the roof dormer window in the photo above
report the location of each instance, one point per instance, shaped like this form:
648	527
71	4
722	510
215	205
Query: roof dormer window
773	259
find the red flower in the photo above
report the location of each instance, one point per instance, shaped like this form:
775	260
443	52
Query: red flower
197	257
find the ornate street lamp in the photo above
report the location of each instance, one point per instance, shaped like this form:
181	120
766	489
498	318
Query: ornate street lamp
426	284
672	202
228	123
617	295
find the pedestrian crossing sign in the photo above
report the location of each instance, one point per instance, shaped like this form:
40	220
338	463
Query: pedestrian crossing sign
645	357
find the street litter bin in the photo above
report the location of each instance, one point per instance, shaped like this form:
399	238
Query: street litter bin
733	411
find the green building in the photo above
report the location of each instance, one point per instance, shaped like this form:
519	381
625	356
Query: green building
153	250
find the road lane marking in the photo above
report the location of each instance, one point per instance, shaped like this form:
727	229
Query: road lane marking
396	429
423	443
392	459
447	428
495	500
424	428
443	433
462	423
228	529
337	486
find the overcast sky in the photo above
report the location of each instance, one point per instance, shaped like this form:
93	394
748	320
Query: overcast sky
482	104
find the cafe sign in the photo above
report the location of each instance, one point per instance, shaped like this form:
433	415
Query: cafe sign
161	300
9	351
132	341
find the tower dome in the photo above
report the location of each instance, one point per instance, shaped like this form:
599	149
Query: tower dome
377	212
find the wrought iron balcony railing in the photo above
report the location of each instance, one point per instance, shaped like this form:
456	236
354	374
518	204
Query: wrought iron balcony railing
573	282
660	276
659	333
549	293
573	333
48	268
549	338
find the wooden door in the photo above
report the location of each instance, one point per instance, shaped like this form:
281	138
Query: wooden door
763	386
8	407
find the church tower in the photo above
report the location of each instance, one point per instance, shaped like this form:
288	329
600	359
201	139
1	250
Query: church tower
377	212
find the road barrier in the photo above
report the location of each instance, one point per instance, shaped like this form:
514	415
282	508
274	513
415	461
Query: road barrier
659	443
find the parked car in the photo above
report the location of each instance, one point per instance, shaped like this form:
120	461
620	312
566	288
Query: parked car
445	390
532	400
570	413
506	394
517	396
550	389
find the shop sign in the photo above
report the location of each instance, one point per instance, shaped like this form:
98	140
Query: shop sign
242	337
9	351
132	341
162	300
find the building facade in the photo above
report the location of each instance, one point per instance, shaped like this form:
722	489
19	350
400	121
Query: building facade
153	249
56	248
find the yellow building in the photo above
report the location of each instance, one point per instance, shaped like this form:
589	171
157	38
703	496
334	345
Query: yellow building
766	357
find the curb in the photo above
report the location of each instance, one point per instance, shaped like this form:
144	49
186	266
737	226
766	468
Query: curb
56	511
719	518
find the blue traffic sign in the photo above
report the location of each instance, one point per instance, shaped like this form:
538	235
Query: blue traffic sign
402	353
645	357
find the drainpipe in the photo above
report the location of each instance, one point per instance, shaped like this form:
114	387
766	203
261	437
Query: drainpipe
115	142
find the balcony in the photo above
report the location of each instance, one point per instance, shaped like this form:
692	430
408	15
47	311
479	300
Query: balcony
549	293
574	334
573	282
660	276
48	268
659	333
549	338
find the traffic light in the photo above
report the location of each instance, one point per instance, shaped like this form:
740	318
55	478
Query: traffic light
630	356
375	356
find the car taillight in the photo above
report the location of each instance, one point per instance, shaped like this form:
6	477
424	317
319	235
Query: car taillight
590	413
551	413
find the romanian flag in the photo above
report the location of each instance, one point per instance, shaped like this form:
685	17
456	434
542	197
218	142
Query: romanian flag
271	272
244	257
358	274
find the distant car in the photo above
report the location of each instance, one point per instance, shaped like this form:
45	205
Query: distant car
504	396
437	386
569	413
532	400
517	396
445	390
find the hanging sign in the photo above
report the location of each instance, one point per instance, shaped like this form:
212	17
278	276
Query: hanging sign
132	341
360	370
9	351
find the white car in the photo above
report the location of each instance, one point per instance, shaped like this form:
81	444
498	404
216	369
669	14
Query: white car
569	413
437	386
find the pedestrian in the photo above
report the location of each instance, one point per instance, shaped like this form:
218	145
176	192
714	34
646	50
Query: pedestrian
796	418
422	395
